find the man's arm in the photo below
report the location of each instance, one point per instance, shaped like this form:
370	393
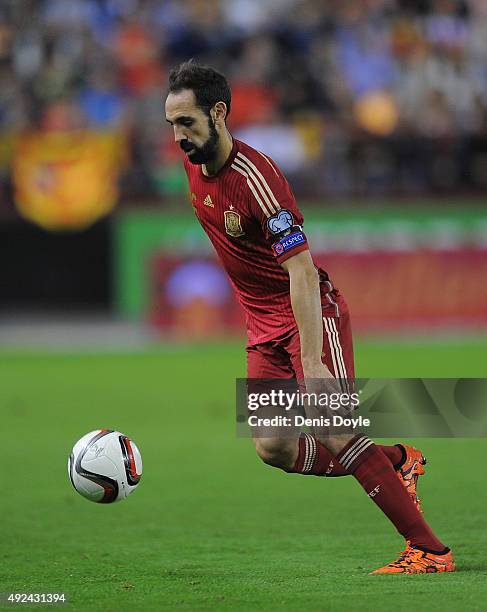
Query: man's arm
306	305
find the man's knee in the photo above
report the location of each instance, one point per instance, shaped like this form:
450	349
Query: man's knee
278	452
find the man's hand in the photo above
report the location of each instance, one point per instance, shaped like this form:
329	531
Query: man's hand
318	379
316	370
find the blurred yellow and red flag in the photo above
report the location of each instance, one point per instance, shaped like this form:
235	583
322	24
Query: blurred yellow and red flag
67	180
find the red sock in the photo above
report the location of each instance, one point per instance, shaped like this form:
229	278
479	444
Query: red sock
316	459
374	472
319	461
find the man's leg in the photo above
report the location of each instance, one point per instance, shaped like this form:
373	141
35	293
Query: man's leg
338	357
373	470
277	452
368	464
371	464
313	458
359	456
425	553
269	360
306	455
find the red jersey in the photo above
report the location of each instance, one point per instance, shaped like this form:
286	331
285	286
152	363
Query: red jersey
250	215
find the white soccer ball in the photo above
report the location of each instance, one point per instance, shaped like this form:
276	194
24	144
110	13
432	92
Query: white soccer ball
105	466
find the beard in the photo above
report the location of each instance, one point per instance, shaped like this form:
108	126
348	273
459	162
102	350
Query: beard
207	151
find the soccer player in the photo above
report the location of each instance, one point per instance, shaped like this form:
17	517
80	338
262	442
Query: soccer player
298	325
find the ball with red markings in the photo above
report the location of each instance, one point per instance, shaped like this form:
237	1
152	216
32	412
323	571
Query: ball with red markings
105	466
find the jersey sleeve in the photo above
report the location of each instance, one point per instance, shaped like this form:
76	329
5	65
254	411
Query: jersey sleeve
273	204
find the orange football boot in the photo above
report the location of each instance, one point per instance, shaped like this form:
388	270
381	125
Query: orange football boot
415	561
409	472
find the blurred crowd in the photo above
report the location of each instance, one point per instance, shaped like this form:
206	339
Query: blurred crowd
351	97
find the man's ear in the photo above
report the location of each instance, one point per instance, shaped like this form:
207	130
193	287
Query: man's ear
219	111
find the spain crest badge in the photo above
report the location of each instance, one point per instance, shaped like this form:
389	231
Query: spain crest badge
233	224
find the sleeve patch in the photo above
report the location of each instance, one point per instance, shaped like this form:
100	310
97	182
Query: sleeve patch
281	222
288	242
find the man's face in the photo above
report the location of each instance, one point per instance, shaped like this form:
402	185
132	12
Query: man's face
194	130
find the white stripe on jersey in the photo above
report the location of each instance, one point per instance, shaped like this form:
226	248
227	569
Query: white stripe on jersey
252	167
252	189
332	348
252	178
340	358
269	162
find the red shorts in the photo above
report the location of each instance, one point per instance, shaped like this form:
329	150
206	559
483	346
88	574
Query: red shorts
281	358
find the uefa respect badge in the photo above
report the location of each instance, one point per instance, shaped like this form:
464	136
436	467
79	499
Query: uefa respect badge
289	242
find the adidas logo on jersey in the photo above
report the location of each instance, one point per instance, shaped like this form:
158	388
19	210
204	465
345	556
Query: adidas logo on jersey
208	201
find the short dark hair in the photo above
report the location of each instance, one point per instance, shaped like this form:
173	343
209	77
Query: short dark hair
208	85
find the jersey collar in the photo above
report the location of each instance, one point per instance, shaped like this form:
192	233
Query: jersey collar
225	166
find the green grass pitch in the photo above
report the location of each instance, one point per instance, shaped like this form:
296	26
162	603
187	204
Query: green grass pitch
210	527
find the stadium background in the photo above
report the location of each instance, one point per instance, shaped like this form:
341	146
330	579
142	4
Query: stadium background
114	312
